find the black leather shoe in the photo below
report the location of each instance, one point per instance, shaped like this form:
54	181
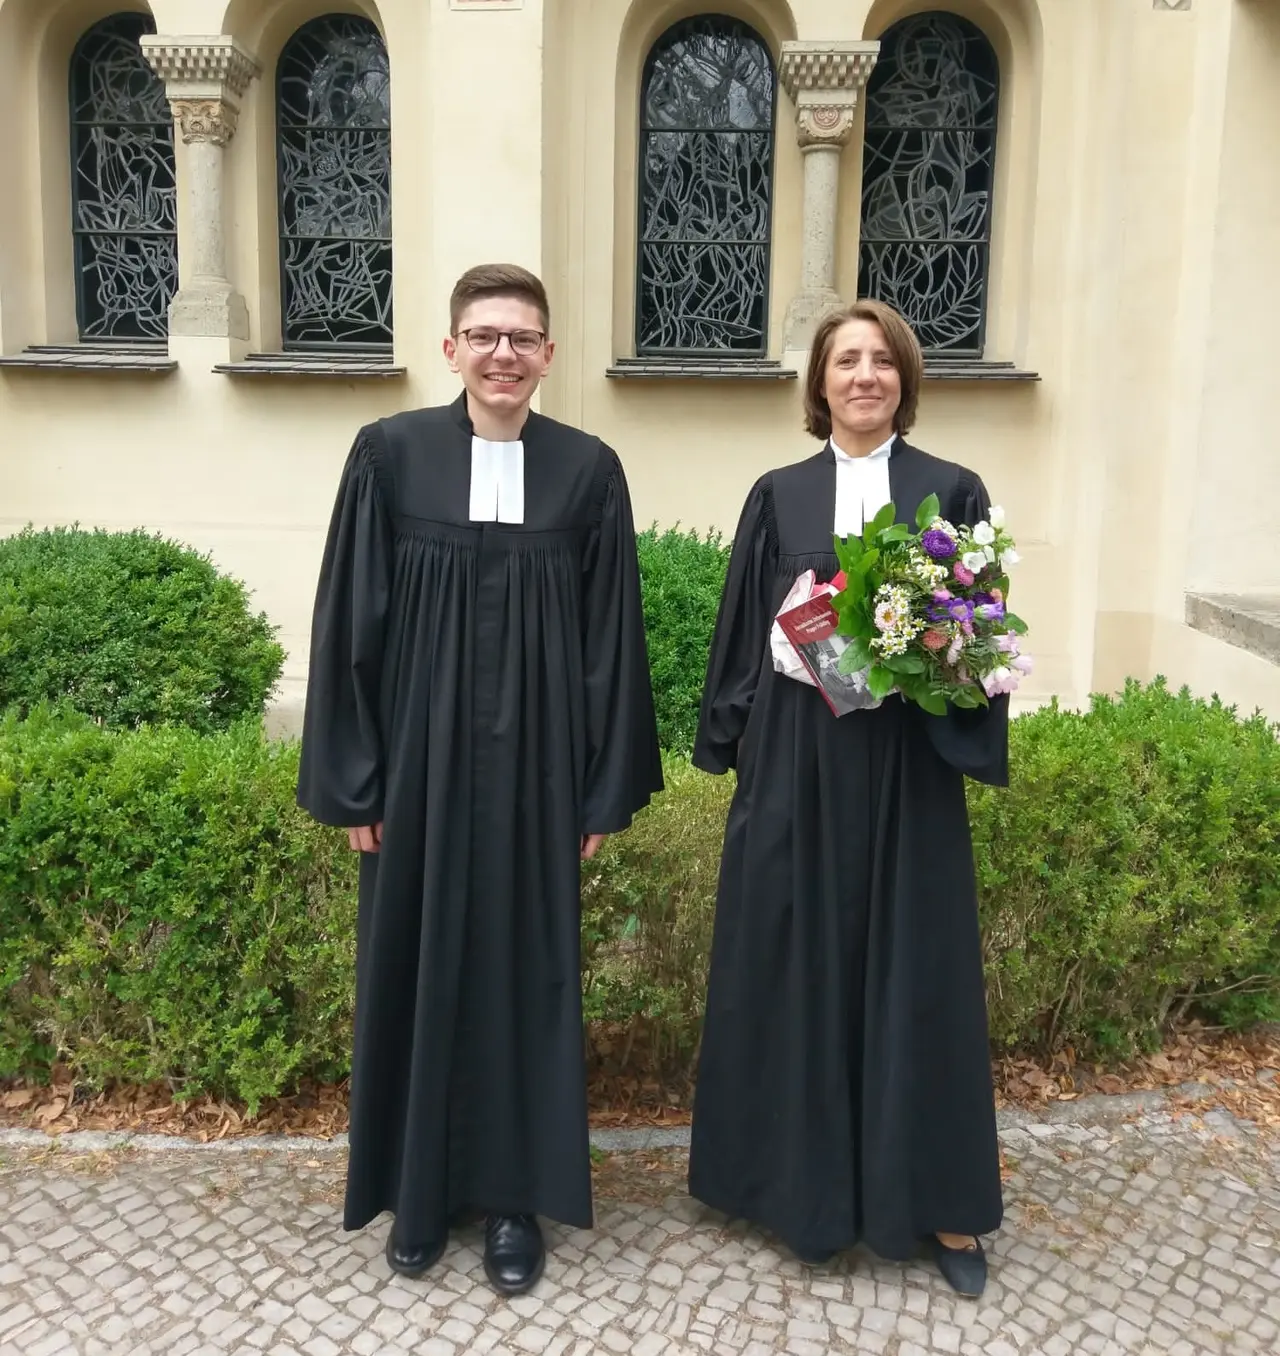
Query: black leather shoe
963	1269
514	1253
412	1259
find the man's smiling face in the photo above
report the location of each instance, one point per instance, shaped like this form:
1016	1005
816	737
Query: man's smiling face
503	380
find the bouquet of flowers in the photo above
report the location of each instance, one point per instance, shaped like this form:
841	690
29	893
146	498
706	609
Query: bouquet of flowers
926	611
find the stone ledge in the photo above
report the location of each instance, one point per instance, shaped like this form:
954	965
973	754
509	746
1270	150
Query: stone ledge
1249	621
701	369
327	366
148	359
974	369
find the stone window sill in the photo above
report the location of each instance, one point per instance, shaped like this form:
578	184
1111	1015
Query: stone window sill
974	369
147	359
326	366
700	369
1249	621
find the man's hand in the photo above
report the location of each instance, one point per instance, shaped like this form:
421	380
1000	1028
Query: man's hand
591	844
365	839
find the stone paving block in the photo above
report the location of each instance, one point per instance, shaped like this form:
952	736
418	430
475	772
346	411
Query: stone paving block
1179	1257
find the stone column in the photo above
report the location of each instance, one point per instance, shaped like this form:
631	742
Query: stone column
824	80
205	78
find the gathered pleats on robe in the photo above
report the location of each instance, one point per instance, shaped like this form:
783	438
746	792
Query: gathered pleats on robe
482	690
844	1087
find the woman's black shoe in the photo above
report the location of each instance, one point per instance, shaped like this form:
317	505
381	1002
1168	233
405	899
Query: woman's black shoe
514	1253
412	1259
963	1269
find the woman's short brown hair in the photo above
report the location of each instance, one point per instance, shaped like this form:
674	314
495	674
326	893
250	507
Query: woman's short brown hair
498	280
903	348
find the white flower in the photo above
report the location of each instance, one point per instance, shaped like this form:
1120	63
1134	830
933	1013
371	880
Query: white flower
1010	557
886	616
989	553
941	525
974	561
995	516
984	534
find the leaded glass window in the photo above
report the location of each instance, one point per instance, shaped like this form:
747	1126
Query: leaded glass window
706	185
334	139
123	198
928	164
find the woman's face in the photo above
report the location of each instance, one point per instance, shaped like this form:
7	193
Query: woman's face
860	382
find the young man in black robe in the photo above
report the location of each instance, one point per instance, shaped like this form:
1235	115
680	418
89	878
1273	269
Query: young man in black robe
478	717
844	1086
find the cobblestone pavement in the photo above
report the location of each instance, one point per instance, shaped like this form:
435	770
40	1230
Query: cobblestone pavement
1149	1236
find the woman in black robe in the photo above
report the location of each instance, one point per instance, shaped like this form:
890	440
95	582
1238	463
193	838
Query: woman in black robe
844	1086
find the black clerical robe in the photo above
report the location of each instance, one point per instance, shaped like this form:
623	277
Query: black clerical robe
483	691
844	1087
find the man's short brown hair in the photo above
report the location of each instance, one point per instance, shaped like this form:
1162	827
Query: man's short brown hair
498	280
903	348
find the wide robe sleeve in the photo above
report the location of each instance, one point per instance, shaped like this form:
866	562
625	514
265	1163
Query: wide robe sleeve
974	741
741	636
623	763
342	768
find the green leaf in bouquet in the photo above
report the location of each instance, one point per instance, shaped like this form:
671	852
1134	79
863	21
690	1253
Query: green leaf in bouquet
882	520
905	663
848	552
1015	624
880	681
868	559
855	622
932	702
969	697
1003	585
891	535
927	512
857	655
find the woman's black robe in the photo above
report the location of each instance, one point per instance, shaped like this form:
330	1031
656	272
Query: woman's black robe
844	1087
483	690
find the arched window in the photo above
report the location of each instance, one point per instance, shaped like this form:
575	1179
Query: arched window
123	200
928	163
706	186
333	92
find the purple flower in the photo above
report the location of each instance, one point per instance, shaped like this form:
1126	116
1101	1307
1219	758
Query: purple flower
991	611
941	595
937	544
960	609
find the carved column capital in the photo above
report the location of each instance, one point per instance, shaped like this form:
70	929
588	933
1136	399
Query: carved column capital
205	120
205	78
825	81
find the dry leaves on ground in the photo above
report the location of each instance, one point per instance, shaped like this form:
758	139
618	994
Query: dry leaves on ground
1242	1074
640	1178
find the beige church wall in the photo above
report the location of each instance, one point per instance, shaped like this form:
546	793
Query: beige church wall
247	468
1233	539
694	447
1181	371
1143	645
1117	275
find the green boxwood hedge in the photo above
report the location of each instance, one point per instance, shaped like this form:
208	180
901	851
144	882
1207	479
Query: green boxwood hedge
130	629
166	912
682	577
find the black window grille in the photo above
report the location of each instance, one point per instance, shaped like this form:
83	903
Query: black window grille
123	196
333	90
928	167
705	193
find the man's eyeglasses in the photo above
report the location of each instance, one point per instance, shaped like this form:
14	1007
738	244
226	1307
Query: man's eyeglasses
482	339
